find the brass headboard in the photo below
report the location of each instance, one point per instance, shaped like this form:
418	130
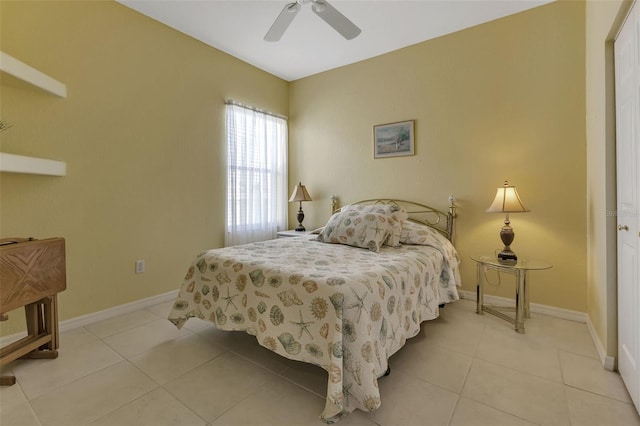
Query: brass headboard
443	222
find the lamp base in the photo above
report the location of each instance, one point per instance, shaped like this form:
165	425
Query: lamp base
507	256
300	218
507	236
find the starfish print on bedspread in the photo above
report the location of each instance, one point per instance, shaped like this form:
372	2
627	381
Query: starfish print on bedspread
427	302
359	305
229	300
304	326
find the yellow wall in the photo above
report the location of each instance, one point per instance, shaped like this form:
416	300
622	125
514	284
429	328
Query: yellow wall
504	100
603	19
142	132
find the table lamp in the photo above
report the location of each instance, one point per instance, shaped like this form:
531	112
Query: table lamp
300	194
507	201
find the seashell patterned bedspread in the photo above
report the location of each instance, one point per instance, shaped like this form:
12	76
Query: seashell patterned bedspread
345	309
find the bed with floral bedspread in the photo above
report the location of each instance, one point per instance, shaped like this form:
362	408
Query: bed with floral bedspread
343	308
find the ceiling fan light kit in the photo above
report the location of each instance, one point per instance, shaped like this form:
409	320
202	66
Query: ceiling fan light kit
324	10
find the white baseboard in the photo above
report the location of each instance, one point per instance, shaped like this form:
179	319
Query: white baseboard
84	320
608	362
551	311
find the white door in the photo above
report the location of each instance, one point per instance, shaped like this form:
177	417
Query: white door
627	64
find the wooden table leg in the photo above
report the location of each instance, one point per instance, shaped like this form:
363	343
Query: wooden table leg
46	326
42	336
48	322
7	380
55	331
31	316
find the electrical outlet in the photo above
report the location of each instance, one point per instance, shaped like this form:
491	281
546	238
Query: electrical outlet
139	266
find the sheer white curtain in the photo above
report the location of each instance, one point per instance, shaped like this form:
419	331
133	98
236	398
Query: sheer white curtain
256	175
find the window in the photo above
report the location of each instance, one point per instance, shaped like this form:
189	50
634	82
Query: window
256	175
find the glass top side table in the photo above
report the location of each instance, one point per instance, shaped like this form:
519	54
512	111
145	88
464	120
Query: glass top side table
520	269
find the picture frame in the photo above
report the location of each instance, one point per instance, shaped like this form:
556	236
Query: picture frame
394	139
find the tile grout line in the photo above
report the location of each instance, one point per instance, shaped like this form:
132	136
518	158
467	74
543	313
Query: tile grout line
77	378
490	406
159	386
466	377
611	398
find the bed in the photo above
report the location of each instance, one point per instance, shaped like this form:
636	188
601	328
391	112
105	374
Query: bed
345	299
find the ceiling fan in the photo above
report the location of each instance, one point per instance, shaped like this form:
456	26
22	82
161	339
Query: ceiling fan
324	10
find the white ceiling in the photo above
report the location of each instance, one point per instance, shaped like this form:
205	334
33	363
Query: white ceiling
310	46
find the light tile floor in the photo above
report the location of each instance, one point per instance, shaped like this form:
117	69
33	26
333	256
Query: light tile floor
462	369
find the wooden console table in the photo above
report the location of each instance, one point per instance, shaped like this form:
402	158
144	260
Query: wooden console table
32	273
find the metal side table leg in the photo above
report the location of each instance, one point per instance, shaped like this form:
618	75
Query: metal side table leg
527	311
479	294
520	302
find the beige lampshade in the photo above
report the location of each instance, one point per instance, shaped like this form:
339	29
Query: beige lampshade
300	193
507	201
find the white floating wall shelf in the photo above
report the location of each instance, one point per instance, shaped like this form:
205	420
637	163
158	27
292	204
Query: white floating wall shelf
11	163
19	69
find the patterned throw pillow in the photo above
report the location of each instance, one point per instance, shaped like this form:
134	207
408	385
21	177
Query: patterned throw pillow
395	214
358	229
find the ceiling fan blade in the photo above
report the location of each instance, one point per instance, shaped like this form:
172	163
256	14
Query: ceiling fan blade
337	20
282	22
